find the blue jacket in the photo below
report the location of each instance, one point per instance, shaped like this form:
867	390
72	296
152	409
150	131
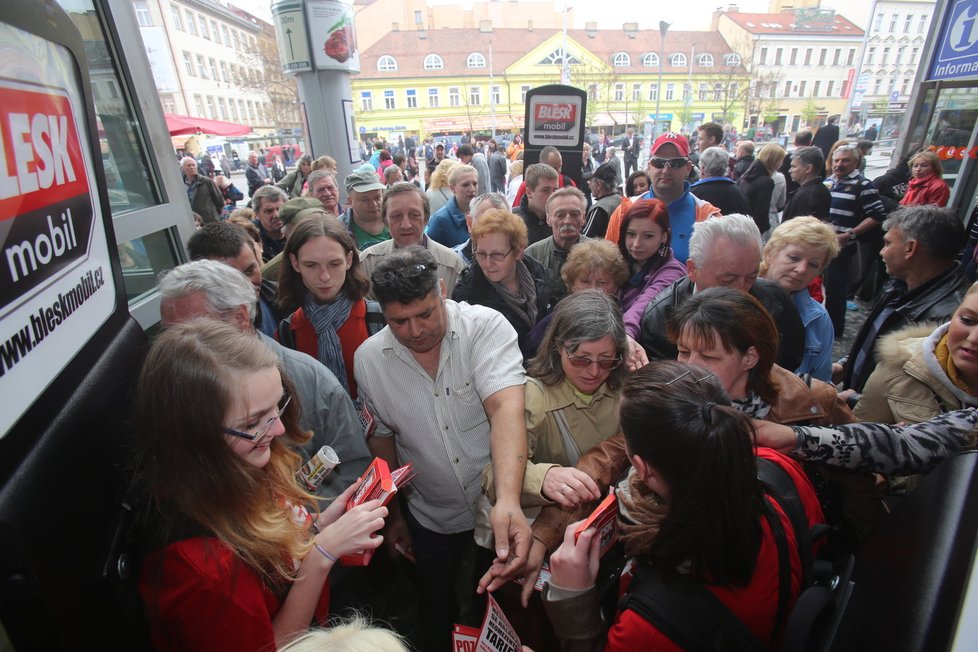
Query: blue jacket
447	225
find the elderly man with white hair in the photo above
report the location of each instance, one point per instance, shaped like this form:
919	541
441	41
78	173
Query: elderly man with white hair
724	252
205	197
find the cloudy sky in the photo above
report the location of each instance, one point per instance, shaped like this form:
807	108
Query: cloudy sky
610	14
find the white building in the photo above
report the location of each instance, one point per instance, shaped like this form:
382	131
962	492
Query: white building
211	61
895	43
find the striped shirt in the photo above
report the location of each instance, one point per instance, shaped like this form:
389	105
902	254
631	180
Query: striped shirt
854	198
441	425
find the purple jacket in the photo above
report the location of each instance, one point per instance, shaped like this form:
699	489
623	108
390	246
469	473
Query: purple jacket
634	299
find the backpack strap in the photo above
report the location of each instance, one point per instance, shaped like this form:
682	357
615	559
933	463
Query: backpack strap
687	612
779	485
784	567
286	336
375	318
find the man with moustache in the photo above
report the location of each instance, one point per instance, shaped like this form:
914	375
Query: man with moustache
565	215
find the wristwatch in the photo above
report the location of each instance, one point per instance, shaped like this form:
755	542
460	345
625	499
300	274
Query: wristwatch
852	234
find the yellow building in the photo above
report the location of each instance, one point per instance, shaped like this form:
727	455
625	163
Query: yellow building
455	81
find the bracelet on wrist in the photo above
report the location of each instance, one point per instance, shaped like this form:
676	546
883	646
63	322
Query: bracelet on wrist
325	553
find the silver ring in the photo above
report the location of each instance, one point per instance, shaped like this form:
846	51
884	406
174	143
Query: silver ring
564	488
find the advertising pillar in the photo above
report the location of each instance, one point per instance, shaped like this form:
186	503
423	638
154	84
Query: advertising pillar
555	116
317	44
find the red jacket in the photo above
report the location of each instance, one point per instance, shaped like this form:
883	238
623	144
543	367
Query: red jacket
757	603
352	334
929	190
201	596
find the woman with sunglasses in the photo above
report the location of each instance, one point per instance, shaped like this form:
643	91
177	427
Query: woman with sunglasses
502	277
322	281
644	240
240	554
692	511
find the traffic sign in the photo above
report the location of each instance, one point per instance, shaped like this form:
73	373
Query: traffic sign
956	54
292	37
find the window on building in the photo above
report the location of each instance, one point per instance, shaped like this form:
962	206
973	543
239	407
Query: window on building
203	28
677	60
224	73
176	18
241	107
412	98
621	60
808	56
222	109
201	68
772	90
913	55
366	101
906	25
497	95
778	52
670	91
821	56
386	63
893	22
636	92
732	60
787	89
592	92
251	111
704	93
143	15
793	59
234	109
619	93
475	95
877	86
215	31
802	87
418	17
717	91
837	58
870	55
433	62
733	91
191	23
556	58
705	60
210	107
213	65
523	91
852	56
763	57
454	96
475	60
687	92
433	98
188	63
922	25
653	92
899	55
816	87
829	88
237	40
885	59
905	89
877	21
199	105
389	101
650	60
169	104
226	34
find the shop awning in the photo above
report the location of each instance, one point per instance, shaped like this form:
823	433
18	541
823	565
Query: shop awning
182	125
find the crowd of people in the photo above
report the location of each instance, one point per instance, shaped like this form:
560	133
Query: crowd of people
669	333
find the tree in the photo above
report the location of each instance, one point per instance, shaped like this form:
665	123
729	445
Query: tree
749	83
265	78
809	111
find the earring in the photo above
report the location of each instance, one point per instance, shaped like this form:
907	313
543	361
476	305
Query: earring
663	249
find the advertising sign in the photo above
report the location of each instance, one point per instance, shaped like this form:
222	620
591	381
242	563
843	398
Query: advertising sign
291	34
555	120
334	44
56	285
956	54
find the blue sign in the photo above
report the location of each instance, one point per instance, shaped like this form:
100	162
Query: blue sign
956	54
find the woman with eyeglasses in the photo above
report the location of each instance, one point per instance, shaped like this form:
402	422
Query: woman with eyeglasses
322	282
644	241
502	277
693	513
240	555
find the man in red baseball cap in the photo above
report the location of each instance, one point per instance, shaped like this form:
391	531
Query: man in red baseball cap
669	166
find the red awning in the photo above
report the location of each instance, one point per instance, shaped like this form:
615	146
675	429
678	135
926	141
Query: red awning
182	125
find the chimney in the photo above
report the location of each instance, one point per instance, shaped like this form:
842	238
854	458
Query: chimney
529	25
631	29
733	9
591	27
485	26
395	26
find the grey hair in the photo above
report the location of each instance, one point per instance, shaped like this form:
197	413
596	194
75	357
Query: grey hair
739	229
267	192
938	231
317	175
579	318
187	158
224	287
810	156
714	161
495	199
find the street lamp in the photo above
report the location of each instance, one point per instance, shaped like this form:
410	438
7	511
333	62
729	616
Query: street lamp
663	28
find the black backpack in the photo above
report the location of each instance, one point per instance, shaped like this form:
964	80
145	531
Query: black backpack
695	619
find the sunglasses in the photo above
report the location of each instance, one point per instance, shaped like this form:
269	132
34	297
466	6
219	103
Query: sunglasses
582	362
411	271
260	434
674	163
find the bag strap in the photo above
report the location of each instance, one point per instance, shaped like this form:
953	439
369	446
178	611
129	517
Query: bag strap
780	486
570	446
784	567
687	612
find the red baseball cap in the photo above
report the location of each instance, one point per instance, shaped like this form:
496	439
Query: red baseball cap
680	141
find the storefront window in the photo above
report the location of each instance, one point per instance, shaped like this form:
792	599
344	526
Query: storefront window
142	261
948	119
